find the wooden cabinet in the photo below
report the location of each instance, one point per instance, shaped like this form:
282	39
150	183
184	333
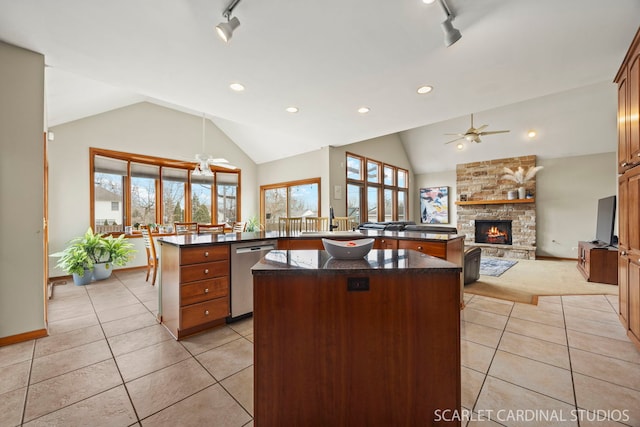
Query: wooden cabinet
373	347
628	80
385	243
598	264
195	287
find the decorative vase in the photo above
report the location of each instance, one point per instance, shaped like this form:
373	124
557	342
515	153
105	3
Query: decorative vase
102	270
85	279
522	193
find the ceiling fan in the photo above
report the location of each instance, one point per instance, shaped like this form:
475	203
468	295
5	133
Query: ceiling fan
473	134
205	160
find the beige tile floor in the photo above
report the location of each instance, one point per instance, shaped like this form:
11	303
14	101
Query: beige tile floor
107	362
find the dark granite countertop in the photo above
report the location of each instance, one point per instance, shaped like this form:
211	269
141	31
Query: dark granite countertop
377	260
208	239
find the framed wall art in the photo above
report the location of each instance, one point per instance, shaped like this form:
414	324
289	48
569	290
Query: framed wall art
434	205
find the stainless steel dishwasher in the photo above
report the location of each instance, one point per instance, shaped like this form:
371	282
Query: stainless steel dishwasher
243	257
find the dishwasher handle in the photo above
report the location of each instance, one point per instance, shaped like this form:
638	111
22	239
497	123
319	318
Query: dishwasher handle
250	249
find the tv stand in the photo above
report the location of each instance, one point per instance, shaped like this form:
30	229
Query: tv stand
598	263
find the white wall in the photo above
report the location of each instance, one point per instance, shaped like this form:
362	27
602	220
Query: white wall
567	193
567	196
22	280
142	128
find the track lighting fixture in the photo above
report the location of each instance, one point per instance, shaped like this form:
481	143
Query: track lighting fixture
451	34
225	29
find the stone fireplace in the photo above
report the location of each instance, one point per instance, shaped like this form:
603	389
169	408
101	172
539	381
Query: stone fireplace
487	199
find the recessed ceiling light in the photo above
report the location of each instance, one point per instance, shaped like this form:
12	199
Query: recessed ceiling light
425	89
292	109
363	110
532	133
460	146
236	87
428	1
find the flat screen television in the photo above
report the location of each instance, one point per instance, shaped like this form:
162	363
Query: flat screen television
606	221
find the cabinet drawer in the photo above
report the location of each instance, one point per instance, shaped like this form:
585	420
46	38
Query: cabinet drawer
208	270
204	290
203	254
385	243
204	312
434	249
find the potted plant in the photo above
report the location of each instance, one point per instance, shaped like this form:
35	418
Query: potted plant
253	225
75	260
117	251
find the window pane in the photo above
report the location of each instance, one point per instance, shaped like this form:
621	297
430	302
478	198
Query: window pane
108	203
227	197
143	200
354	168
275	206
388	176
173	195
373	172
354	199
402	216
388	205
303	200
201	200
372	204
402	178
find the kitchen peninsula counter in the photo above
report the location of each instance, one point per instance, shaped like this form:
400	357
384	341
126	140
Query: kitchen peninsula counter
374	341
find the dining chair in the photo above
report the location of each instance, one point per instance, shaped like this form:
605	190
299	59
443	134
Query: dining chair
239	226
344	223
312	223
152	257
185	227
210	228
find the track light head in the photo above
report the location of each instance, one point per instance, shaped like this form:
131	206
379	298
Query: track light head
225	29
451	34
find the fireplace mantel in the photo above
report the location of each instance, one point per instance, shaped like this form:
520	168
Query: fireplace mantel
495	202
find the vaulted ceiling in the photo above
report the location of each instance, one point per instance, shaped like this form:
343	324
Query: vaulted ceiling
327	58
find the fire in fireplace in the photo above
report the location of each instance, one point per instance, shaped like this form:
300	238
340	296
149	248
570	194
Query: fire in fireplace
496	232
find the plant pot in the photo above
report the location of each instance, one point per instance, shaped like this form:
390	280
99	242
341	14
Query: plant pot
82	280
102	270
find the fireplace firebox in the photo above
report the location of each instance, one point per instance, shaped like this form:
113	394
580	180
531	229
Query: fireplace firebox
496	232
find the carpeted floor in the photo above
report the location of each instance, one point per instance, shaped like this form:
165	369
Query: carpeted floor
528	279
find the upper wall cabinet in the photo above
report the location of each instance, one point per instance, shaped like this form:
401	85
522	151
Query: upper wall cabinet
628	80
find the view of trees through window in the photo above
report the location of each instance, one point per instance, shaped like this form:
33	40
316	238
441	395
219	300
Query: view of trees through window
292	199
158	191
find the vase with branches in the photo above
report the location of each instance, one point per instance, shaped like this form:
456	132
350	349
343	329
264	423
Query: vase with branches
520	177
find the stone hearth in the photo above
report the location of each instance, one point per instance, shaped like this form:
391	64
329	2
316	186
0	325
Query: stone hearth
481	181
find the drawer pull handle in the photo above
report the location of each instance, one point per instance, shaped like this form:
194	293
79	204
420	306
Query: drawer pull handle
206	271
623	253
419	248
206	312
382	241
624	164
206	291
206	254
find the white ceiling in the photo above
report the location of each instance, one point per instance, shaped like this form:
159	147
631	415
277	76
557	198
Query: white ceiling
326	57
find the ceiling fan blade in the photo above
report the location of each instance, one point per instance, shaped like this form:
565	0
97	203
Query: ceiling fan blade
481	128
454	140
461	135
493	132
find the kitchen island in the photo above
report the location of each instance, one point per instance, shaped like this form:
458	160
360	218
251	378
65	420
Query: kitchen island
196	277
374	341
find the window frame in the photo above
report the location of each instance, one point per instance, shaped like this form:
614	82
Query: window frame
287	186
381	187
161	163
